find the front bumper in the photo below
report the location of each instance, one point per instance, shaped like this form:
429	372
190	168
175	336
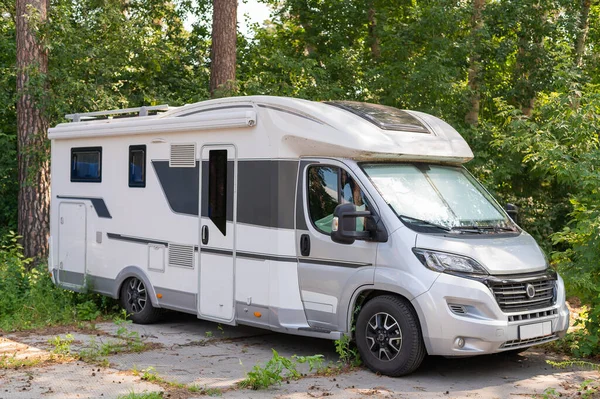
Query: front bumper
482	327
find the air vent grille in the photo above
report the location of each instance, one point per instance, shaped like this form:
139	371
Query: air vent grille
183	155
181	256
534	315
531	341
457	309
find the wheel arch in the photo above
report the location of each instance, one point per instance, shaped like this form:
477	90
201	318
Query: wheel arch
134	271
364	294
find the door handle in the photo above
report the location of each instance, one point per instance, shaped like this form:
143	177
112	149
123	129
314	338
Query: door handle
305	245
204	235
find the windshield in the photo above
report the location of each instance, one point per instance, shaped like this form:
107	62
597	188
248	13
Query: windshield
443	197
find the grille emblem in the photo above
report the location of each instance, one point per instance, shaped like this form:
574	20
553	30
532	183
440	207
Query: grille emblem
530	291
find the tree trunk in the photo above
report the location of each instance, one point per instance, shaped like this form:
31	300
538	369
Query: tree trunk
584	28
472	116
374	42
32	126
223	51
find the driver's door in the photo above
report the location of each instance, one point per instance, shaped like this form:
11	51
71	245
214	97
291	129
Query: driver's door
326	269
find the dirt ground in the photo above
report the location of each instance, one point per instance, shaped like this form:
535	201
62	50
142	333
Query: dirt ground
186	358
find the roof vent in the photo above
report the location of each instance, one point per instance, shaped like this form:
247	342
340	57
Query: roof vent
183	155
384	117
181	255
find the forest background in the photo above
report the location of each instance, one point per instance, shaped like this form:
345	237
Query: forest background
519	79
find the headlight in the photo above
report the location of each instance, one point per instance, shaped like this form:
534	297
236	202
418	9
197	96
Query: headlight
443	261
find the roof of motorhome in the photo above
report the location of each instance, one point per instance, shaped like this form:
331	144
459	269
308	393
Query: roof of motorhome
344	129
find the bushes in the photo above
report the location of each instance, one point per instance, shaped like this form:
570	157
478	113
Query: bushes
30	300
549	165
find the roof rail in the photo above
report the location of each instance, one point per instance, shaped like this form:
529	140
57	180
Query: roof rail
141	111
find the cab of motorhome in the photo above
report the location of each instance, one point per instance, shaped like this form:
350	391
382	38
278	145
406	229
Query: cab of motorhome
309	218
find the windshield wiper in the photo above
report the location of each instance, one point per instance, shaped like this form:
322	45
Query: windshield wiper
410	219
481	229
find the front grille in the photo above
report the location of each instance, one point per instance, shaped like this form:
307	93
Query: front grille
512	295
533	315
531	341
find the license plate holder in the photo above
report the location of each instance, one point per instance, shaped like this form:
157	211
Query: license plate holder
529	331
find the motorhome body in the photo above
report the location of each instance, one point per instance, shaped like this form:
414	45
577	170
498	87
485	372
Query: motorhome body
237	210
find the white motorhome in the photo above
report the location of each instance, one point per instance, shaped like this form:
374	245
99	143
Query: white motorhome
300	217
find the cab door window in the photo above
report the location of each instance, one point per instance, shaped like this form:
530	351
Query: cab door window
328	186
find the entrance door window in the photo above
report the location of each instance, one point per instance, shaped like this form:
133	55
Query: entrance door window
329	186
217	189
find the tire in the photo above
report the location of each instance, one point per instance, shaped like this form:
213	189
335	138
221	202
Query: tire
136	301
388	336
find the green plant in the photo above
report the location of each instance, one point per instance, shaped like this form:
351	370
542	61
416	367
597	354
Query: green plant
213	391
62	346
315	362
132	339
550	393
208	334
348	353
144	395
29	298
13	362
271	373
574	363
87	310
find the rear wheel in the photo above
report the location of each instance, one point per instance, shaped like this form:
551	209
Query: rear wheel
388	336
136	301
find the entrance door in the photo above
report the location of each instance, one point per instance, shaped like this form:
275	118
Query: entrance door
218	203
71	244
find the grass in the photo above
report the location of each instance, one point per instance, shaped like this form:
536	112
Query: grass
151	375
12	362
144	395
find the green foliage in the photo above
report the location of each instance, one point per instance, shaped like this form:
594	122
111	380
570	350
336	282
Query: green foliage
347	351
62	346
271	373
29	298
548	165
315	362
144	395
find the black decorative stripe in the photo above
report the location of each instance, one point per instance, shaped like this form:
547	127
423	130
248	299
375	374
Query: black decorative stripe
99	205
290	112
329	262
137	240
247	255
215	109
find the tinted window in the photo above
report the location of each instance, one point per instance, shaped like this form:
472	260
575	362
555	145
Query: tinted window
217	189
137	166
327	187
86	164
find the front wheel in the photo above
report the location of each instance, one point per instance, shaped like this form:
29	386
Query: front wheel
388	336
136	302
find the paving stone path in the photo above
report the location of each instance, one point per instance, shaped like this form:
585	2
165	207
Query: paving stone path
184	352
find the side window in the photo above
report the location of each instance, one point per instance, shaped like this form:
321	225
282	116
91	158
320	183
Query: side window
323	195
329	186
217	189
86	164
137	166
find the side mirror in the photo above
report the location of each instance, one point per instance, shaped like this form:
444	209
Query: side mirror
343	226
513	212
